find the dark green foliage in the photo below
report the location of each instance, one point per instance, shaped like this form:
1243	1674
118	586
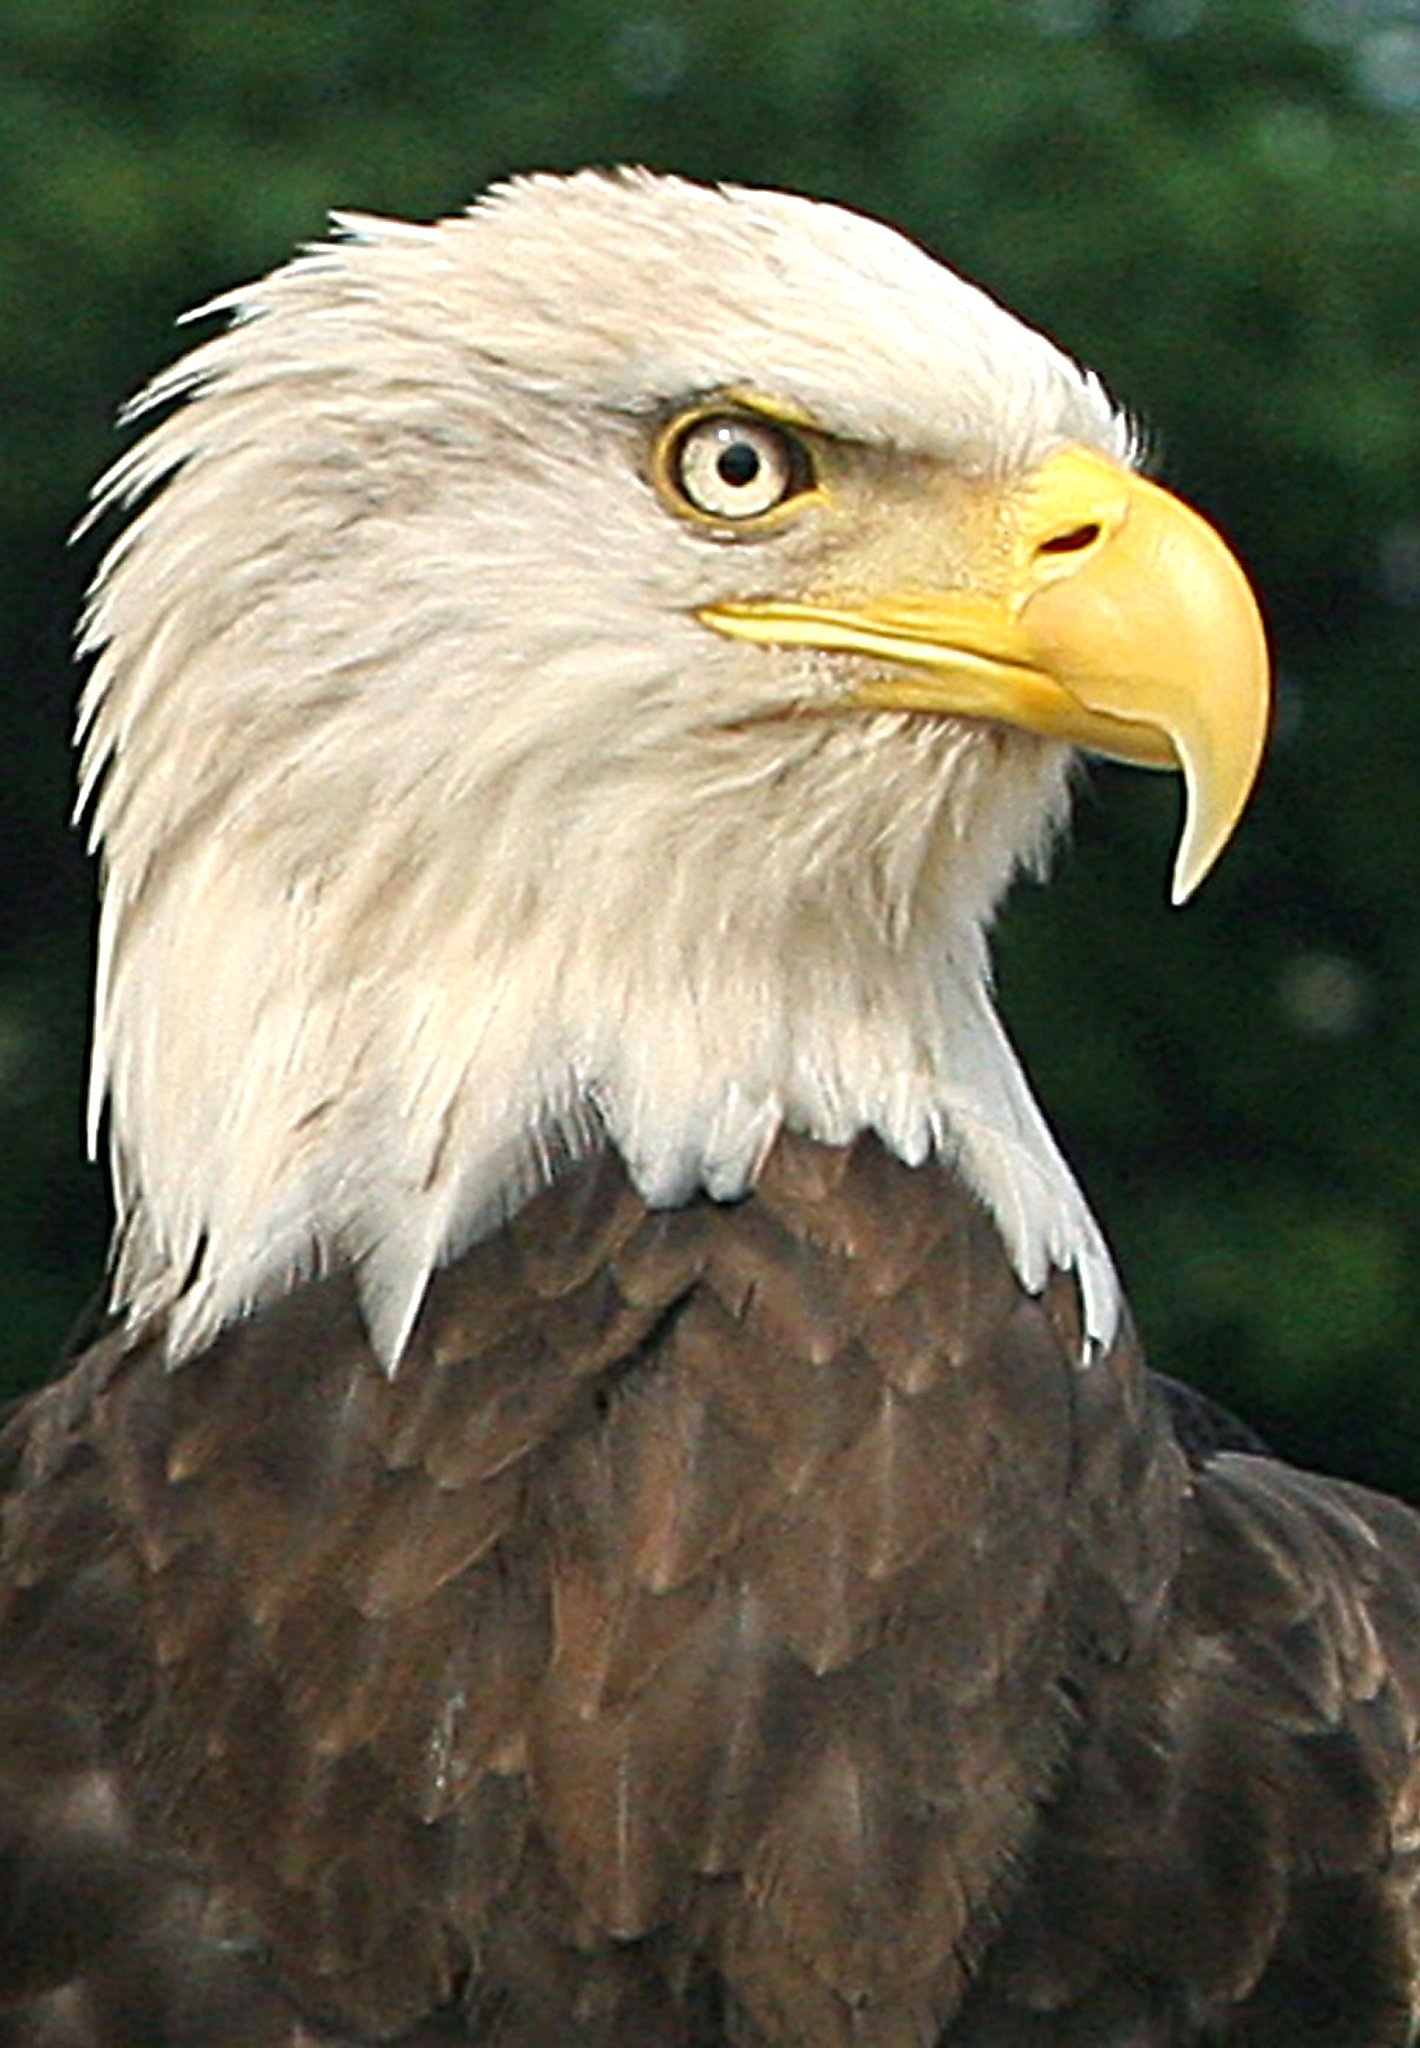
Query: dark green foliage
1215	202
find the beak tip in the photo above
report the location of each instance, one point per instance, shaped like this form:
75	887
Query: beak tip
1198	848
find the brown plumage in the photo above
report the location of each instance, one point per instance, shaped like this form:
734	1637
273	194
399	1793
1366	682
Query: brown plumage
619	1502
737	1623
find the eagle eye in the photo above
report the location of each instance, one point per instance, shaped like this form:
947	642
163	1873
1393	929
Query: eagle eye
733	468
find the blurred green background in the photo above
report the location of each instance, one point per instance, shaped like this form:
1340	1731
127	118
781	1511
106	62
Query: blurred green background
1214	202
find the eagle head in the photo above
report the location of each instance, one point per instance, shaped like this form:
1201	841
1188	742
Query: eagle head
586	671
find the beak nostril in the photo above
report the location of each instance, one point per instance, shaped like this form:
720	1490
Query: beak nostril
1071	543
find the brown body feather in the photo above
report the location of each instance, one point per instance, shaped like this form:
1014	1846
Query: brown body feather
740	1623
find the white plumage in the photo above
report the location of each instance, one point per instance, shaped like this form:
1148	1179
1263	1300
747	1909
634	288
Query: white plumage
439	832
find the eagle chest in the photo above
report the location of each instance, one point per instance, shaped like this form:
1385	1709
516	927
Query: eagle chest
703	1591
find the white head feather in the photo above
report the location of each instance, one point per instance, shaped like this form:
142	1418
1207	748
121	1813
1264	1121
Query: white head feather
439	836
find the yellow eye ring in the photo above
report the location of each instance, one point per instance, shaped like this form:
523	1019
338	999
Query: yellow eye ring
736	472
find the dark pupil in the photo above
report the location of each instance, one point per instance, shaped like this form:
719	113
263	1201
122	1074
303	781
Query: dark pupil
738	464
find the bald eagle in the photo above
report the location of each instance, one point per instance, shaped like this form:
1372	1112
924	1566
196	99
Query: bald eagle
618	1501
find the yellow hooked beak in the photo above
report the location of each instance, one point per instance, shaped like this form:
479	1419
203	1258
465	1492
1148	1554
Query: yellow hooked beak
1112	616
